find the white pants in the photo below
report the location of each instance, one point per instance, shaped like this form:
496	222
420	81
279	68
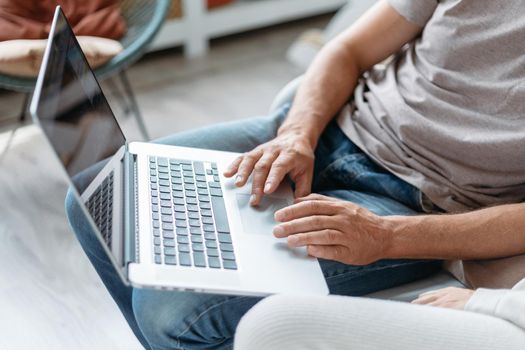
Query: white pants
337	323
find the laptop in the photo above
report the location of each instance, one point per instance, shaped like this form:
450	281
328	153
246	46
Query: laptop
165	215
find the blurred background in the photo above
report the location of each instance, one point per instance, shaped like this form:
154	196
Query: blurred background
181	64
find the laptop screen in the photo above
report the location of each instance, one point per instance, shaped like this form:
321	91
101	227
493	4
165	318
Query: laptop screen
73	111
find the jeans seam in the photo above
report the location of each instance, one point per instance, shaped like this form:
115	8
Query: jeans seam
199	317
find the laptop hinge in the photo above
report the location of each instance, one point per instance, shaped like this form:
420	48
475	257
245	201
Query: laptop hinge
131	246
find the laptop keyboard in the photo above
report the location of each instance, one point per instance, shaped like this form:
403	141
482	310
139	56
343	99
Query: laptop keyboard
100	206
190	226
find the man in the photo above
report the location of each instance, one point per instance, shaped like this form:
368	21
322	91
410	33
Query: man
439	130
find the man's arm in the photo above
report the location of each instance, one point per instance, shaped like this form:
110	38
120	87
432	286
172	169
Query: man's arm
339	230
483	234
333	75
326	87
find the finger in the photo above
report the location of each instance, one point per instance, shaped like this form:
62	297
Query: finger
324	237
308	224
233	167
305	209
314	197
260	173
303	184
327	252
246	167
280	168
424	300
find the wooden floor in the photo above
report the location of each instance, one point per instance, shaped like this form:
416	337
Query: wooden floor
50	296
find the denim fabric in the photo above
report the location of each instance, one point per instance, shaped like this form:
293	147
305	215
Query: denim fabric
181	320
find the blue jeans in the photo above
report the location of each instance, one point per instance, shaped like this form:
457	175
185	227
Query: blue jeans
181	320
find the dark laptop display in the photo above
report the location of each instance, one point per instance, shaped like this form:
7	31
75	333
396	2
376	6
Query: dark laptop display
74	113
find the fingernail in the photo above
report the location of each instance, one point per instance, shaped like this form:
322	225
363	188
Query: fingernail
238	179
268	187
253	198
278	230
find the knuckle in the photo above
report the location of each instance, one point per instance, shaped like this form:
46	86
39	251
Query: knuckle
262	167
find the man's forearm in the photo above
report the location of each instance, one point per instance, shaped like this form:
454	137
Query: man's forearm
325	88
488	233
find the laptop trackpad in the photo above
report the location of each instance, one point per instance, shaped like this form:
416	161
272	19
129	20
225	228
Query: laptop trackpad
259	220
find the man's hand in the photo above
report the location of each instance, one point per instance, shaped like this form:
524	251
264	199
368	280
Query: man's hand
451	298
333	229
288	154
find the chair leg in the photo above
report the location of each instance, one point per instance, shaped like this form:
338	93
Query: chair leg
134	105
21	119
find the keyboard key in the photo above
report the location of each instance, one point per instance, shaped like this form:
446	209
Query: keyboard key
206	212
226	247
168	234
157	249
163	170
185	259
199	259
209	236
204	199
178	194
214	184
181	223
190	200
165	211
205	205
156	224
193	207
207	220
211	244
200	178
167	226
152	159
170	260
208	228
153	179
181	231
197	247
155	208
202	185
175	173
177	187
199	168
155	216
219	213
214	166
176	180
183	240
196	239
180	216
184	248
229	264
189	187
156	232
162	161
188	180
154	194
163	176
214	262
156	241
167	218
195	231
228	256
154	186
187	174
169	243
164	183
224	238
193	215
158	259
195	223
187	167
178	201
209	172
212	252
203	191
191	194
179	208
165	196
216	192
169	251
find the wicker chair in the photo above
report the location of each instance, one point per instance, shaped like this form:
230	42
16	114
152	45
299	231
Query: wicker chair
144	19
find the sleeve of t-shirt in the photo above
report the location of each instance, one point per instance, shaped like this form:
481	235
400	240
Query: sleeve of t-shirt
506	304
416	11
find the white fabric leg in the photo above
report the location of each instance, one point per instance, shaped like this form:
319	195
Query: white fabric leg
343	323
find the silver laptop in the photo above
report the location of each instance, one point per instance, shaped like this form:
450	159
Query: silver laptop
165	215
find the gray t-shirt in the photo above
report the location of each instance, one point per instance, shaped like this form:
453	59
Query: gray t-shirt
447	115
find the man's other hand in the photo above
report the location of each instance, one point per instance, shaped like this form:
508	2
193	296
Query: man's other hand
333	229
